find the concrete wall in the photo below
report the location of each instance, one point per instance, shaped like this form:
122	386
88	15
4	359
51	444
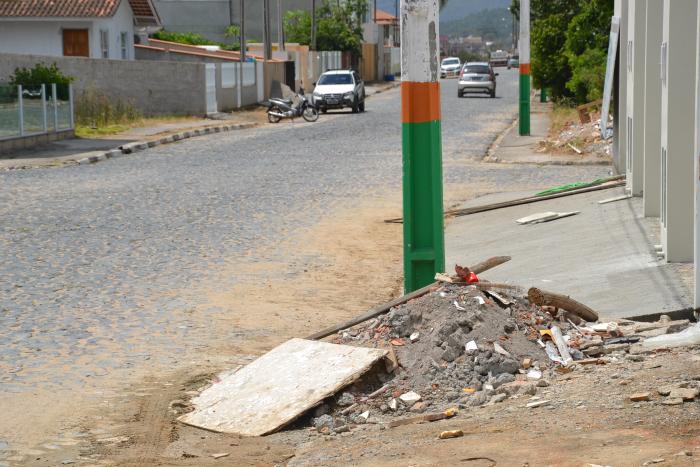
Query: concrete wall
636	58
678	128
39	37
157	88
652	106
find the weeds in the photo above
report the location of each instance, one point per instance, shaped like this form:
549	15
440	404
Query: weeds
94	109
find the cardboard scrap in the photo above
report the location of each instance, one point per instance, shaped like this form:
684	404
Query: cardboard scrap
278	387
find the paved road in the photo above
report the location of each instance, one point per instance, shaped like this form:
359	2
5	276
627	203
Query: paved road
88	254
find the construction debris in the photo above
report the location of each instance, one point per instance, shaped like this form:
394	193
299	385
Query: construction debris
453	345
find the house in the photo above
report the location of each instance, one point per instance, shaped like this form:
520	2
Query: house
74	28
388	27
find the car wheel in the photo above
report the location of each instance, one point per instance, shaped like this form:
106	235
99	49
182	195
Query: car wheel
362	106
459	93
355	107
493	93
324	110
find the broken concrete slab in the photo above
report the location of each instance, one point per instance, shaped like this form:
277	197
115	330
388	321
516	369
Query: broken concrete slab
279	386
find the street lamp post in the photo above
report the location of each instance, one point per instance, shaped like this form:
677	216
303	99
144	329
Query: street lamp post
424	244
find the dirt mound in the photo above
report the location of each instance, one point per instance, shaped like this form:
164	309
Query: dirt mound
457	346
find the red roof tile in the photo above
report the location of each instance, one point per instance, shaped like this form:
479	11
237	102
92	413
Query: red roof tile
59	8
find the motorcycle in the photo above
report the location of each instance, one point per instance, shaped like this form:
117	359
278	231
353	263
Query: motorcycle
299	106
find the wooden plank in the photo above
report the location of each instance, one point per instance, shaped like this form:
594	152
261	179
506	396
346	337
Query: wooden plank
543	298
278	387
542	217
521	201
613	199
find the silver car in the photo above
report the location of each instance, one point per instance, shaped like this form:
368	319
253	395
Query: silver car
477	77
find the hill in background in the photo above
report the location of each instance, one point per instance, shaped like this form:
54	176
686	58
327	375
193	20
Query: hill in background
492	25
455	9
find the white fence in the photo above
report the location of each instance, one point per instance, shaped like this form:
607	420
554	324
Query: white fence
35	110
234	85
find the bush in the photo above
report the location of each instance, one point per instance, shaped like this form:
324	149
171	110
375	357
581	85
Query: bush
42	74
95	109
190	38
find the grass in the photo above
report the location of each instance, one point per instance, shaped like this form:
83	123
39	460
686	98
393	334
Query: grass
82	131
562	116
89	131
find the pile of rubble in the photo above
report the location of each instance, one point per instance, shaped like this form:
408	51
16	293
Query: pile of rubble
464	346
578	138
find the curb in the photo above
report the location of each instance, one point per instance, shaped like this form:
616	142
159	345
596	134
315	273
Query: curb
139	146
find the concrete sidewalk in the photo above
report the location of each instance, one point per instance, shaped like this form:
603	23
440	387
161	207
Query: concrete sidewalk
603	257
515	149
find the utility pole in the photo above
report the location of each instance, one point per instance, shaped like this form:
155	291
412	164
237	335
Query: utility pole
313	24
280	27
241	54
267	39
424	242
524	48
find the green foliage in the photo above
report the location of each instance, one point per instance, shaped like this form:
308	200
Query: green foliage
466	57
94	109
338	25
550	67
569	46
588	75
586	50
297	27
190	38
42	74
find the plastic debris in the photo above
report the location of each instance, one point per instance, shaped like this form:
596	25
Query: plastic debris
690	336
451	434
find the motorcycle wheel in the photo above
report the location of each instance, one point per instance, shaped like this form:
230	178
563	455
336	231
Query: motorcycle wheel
310	114
273	118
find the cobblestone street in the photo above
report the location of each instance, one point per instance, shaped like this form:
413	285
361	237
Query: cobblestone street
108	270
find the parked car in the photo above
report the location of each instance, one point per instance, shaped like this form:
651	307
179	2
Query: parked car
338	89
513	62
477	77
450	67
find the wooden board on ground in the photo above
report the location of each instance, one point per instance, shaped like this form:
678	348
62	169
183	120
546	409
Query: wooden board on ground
616	198
544	217
278	387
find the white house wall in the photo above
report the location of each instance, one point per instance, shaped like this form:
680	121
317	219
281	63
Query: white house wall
652	106
678	129
41	36
635	95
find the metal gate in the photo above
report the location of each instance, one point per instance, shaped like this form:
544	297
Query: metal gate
210	75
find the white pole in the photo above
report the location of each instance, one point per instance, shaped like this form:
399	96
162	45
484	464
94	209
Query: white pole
21	110
43	108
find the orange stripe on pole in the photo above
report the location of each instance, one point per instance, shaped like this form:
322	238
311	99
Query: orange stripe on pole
524	68
420	102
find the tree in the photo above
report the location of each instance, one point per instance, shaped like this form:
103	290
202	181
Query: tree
569	46
338	26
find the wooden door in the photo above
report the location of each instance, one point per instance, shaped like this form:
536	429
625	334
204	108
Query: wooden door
76	43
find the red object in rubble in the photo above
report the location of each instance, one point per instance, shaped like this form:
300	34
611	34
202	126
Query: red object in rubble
471	278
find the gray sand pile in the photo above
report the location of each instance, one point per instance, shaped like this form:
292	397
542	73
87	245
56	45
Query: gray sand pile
433	340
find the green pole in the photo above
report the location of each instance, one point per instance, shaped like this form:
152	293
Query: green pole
524	45
424	244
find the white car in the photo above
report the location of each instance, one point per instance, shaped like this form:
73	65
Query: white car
450	66
337	89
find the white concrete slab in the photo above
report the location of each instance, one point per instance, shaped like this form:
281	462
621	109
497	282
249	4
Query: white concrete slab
603	257
278	387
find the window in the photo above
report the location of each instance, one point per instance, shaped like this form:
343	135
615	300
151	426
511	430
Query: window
104	43
344	78
124	43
